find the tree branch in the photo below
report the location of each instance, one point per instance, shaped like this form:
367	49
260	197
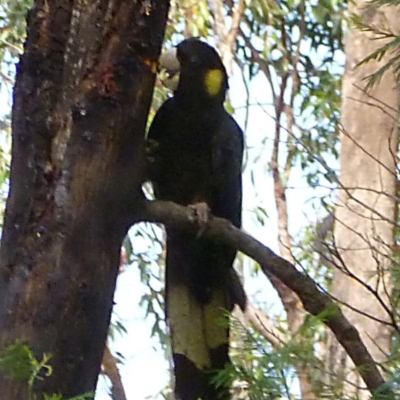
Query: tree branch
314	301
263	325
110	368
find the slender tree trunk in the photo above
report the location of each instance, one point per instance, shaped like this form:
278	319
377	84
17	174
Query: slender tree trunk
82	94
365	214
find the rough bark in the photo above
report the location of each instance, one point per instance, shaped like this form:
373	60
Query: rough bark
365	213
82	94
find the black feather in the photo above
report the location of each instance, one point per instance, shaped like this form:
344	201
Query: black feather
198	155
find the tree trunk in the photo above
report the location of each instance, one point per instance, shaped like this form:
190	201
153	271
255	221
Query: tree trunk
83	91
365	214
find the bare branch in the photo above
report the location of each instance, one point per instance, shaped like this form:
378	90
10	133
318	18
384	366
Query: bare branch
314	301
263	64
110	368
263	325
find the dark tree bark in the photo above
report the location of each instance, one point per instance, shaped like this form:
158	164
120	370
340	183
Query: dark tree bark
83	90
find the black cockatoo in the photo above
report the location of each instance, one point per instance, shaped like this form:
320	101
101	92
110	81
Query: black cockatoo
197	152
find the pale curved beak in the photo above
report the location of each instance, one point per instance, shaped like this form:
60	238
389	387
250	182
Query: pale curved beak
169	69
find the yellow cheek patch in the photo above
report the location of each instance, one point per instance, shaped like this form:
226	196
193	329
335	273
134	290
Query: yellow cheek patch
214	78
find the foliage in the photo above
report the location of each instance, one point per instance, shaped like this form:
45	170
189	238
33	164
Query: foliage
19	362
59	397
12	35
391	46
265	372
297	45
